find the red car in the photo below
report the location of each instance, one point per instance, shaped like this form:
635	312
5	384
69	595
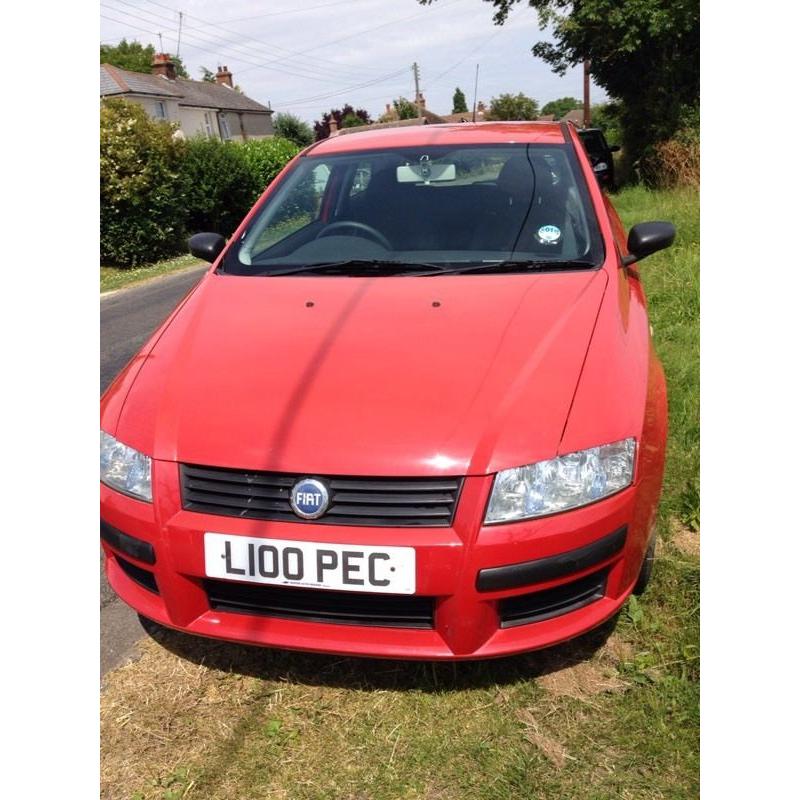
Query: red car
413	410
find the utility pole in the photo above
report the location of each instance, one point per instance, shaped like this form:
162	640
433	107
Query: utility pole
180	26
415	70
587	108
475	95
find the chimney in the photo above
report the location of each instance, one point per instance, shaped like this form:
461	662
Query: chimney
333	125
389	109
224	76
163	65
420	101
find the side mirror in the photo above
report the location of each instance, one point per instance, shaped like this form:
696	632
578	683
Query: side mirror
647	238
206	246
614	148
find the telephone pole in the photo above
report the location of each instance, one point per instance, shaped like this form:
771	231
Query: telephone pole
415	70
180	26
475	95
587	108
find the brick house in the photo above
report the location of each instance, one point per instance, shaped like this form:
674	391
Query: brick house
198	107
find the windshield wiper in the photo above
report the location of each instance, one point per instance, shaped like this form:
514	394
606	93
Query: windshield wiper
512	266
356	266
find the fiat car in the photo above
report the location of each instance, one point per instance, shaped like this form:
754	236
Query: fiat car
412	410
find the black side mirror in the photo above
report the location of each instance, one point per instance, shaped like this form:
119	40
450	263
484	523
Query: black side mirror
647	238
206	246
614	148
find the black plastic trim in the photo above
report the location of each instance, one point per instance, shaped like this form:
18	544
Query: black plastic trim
135	548
143	577
322	605
539	606
547	569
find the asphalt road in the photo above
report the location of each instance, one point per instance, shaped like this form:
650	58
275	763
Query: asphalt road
127	318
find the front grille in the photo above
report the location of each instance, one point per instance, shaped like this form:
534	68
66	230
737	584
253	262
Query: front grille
143	577
395	502
538	606
321	605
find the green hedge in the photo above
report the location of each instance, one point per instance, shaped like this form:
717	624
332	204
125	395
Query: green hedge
156	190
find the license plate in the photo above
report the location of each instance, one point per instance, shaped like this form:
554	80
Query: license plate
344	567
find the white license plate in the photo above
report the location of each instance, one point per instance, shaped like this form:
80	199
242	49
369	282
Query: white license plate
345	567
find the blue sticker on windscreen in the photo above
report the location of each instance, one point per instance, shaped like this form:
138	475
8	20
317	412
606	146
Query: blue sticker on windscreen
548	234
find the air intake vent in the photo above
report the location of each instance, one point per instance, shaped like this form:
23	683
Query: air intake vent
378	502
538	606
319	605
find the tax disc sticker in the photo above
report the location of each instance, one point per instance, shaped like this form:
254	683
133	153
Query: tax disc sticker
548	234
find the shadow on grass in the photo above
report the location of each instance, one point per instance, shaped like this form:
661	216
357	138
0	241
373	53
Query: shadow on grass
369	674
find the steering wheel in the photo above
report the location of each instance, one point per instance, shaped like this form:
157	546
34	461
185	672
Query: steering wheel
360	226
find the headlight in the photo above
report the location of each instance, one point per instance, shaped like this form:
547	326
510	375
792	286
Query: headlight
601	166
125	469
562	483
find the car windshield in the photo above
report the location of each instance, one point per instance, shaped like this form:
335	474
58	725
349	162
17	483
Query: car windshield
422	209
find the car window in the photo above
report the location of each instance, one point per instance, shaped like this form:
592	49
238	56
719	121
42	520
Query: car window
425	205
298	207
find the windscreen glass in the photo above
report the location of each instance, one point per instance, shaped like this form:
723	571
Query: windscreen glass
424	206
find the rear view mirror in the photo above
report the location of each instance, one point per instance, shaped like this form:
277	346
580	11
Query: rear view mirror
426	172
647	238
206	246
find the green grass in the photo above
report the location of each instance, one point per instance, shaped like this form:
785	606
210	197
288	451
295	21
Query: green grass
595	719
115	278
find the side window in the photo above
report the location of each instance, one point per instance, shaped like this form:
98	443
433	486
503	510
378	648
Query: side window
299	207
207	124
161	111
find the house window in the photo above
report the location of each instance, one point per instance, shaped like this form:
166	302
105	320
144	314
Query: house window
225	131
161	110
207	120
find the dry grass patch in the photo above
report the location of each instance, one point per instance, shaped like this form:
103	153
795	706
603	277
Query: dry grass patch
688	542
553	750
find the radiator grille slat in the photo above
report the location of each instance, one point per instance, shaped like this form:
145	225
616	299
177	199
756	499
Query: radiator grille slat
376	502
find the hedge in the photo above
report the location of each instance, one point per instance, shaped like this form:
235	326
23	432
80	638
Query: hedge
156	189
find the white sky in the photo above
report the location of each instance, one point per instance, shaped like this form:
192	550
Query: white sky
306	57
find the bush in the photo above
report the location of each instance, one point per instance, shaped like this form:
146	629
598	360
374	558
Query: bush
265	158
290	127
676	161
141	193
155	189
218	185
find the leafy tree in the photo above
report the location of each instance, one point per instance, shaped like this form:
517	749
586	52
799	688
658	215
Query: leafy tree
207	75
459	102
322	128
513	107
405	109
558	108
644	53
135	57
294	129
606	116
351	121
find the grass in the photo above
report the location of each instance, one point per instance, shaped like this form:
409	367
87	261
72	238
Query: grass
112	278
613	715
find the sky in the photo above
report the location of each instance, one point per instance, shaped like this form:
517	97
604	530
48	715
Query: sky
308	57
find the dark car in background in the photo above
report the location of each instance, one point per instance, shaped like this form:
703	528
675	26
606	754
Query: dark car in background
600	154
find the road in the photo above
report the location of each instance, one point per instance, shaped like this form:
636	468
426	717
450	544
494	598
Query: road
127	318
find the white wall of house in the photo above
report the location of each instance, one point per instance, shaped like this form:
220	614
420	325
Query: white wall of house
157	107
198	121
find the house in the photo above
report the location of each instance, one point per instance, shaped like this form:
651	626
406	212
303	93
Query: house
198	107
576	116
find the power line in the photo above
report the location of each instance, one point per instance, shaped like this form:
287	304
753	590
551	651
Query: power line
284	13
193	39
290	54
308	71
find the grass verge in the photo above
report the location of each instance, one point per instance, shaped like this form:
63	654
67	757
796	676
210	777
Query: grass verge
612	715
112	278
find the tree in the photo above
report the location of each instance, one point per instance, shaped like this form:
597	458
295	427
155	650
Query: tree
405	109
558	108
459	102
513	107
645	54
322	128
135	57
294	129
207	75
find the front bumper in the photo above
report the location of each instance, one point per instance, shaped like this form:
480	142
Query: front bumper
568	573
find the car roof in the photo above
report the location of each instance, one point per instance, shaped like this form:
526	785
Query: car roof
455	134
